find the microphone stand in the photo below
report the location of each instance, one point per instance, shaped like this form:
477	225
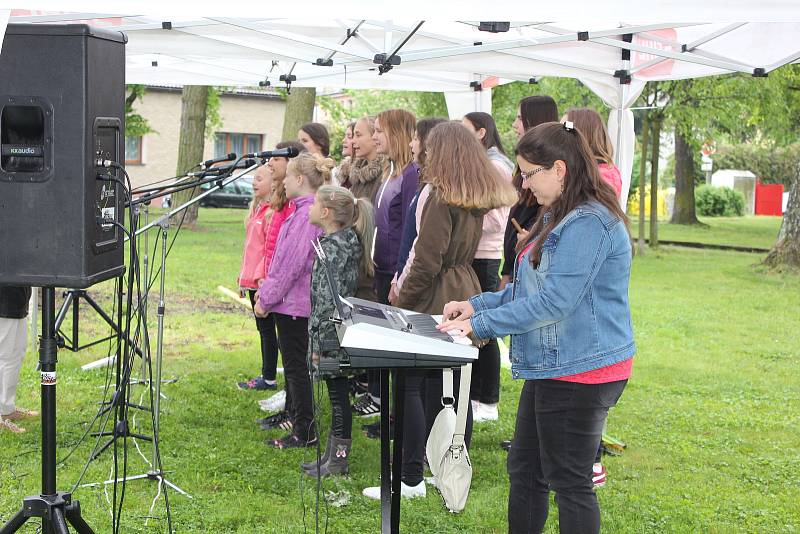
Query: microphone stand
156	473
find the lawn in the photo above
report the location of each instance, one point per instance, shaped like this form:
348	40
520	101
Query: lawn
710	415
756	232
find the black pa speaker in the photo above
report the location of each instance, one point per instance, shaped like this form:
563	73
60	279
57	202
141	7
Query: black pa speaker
62	108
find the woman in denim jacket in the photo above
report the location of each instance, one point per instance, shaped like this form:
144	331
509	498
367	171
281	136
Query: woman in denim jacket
568	316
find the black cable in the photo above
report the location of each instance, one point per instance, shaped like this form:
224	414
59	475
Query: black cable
102	409
141	188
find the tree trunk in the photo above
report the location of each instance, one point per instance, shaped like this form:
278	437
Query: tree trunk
299	110
656	124
642	172
190	147
786	251
684	208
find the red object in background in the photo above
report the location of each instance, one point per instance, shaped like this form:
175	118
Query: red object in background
769	199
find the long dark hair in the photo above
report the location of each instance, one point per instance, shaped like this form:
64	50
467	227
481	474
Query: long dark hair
534	110
552	141
479	120
319	134
423	128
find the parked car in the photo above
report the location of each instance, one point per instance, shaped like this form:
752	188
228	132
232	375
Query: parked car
237	194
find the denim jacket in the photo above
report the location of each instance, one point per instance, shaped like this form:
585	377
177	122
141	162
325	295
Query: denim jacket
570	314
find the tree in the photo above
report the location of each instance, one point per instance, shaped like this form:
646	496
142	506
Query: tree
684	210
786	251
733	108
642	171
194	102
299	110
135	124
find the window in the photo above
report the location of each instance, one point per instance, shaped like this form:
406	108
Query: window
240	143
133	150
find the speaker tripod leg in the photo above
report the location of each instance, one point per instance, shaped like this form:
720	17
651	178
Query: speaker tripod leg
59	524
73	511
15	523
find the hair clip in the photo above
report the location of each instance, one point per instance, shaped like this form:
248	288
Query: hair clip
569	126
355	201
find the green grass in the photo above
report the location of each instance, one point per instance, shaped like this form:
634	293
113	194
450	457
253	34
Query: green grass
757	232
710	415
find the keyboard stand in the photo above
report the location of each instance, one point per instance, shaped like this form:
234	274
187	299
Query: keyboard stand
390	484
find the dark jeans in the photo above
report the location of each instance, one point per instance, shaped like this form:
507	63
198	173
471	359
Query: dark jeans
486	371
293	340
341	414
383	282
422	400
269	342
558	429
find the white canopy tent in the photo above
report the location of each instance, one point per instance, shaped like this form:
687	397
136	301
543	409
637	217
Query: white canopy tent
614	60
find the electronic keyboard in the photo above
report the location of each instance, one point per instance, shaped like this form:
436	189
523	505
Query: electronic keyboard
378	336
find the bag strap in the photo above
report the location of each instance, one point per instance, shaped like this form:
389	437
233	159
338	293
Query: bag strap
463	400
447	388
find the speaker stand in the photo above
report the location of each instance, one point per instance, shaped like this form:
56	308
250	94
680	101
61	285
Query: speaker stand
72	299
56	508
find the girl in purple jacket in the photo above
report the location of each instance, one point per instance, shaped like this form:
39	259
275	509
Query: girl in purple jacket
394	129
286	292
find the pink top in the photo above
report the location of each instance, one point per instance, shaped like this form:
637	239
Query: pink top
610	373
423	198
490	247
274	225
612	176
254	247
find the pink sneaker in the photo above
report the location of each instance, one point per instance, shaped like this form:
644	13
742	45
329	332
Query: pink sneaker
599	475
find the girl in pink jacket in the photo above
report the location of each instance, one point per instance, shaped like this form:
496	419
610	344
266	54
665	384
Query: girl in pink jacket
257	228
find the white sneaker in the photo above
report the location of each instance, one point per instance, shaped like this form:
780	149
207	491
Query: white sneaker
475	406
406	491
485	412
275	403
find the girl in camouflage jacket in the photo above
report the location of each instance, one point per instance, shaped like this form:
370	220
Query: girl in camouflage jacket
347	225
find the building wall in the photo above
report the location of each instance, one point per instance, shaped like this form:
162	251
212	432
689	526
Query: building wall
162	109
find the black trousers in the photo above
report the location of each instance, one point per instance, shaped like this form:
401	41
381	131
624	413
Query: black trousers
422	401
383	282
558	429
486	371
269	342
293	341
341	413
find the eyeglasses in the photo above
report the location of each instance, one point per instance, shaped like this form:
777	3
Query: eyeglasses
527	175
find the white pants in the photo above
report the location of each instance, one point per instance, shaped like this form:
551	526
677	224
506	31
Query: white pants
13	340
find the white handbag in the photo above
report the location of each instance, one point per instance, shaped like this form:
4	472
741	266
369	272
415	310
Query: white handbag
447	453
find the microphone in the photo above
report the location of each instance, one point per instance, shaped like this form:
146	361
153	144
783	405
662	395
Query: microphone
228	157
244	164
289	152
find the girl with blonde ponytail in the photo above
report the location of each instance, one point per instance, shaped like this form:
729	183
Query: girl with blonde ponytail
347	226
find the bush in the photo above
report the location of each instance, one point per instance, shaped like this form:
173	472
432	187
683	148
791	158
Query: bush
772	165
718	201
